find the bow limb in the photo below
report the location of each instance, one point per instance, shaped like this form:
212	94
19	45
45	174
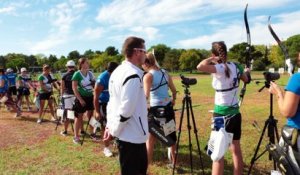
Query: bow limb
248	54
280	44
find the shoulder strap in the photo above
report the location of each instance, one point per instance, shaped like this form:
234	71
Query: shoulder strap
131	77
161	84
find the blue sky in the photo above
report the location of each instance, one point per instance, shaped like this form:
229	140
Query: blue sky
60	26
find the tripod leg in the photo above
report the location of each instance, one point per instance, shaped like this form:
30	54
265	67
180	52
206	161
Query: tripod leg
179	134
254	158
189	134
87	125
196	135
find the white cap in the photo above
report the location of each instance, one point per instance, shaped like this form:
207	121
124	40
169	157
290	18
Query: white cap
70	63
23	69
9	70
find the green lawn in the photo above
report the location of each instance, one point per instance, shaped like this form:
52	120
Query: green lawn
28	148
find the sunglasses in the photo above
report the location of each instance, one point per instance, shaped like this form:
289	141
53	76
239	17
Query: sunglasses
141	50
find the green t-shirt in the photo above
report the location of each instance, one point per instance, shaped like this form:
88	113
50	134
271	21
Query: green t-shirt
85	83
47	80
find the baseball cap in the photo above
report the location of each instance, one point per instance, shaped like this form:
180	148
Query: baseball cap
70	63
23	69
9	70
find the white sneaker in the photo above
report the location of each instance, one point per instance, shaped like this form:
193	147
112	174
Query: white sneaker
18	114
107	152
39	121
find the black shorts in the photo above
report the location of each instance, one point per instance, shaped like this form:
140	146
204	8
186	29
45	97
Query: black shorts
23	91
45	96
169	114
133	158
81	109
233	125
12	90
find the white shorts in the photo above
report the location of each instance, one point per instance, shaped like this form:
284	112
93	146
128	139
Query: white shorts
68	101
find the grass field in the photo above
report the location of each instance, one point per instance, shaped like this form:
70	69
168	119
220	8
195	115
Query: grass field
29	148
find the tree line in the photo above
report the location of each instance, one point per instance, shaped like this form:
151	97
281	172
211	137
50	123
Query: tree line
172	59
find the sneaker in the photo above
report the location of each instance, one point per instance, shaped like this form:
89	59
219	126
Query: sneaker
94	137
76	140
39	121
53	119
64	133
18	114
107	152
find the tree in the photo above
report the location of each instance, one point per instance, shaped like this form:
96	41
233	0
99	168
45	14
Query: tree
189	59
171	61
2	61
111	51
74	55
31	60
275	57
52	59
293	44
99	62
160	50
60	64
88	54
41	59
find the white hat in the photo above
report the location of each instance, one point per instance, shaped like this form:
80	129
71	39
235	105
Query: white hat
9	70
23	69
70	63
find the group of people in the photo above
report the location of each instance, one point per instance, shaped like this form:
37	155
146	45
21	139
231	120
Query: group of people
13	88
125	95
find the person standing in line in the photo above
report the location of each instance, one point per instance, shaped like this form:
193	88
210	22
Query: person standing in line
24	85
157	83
5	97
11	76
101	99
226	77
67	93
46	83
83	82
127	109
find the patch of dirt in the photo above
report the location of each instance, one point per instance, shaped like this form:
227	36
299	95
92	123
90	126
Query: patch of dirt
23	130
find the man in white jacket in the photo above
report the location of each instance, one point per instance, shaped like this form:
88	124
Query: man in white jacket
127	109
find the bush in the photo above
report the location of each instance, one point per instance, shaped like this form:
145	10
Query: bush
258	65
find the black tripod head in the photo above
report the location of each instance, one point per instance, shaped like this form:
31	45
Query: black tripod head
186	82
269	76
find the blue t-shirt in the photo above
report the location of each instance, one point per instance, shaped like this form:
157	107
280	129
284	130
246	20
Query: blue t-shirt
103	80
11	79
5	87
294	86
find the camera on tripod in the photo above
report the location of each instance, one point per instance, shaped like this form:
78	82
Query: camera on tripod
188	81
269	76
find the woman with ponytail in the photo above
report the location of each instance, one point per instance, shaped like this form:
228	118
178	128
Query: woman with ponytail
226	76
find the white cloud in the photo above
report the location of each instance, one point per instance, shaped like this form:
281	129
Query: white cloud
287	25
93	33
62	17
45	46
9	9
149	33
154	13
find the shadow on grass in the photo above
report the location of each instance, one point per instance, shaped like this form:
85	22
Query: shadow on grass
160	157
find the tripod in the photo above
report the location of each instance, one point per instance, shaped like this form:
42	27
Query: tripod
271	123
187	104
